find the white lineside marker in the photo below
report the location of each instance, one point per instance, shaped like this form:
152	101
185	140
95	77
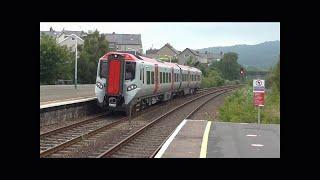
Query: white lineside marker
257	145
167	143
251	135
203	151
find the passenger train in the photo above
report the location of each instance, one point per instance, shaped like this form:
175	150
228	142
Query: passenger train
125	79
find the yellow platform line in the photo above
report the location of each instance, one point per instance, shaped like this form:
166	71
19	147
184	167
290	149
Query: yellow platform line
203	151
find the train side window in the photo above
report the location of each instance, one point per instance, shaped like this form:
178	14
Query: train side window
130	70
140	74
160	77
169	77
148	77
152	77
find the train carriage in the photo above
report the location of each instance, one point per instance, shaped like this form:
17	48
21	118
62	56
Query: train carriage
124	80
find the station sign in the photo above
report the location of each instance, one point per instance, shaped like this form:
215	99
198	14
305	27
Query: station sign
258	85
258	98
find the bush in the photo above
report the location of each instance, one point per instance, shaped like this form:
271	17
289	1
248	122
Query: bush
238	107
213	79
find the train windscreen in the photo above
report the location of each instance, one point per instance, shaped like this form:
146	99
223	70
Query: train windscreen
103	69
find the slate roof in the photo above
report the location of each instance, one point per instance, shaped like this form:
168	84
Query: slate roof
134	39
66	32
50	33
152	51
173	49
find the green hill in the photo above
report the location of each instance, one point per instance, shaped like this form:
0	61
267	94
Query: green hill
261	55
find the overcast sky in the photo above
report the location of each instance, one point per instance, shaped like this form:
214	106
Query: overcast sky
182	35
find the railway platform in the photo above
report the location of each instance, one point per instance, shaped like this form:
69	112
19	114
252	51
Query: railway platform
57	95
51	94
211	139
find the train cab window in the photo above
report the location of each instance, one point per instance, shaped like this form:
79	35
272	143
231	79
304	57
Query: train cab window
152	77
160	77
169	77
148	77
130	70
103	69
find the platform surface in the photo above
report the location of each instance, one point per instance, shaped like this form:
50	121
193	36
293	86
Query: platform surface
187	143
50	94
237	140
222	140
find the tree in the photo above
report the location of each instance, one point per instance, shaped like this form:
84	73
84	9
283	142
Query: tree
55	61
190	61
94	47
229	66
273	79
213	78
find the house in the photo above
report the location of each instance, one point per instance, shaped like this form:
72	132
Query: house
70	42
166	52
188	54
152	53
51	33
211	57
124	42
67	38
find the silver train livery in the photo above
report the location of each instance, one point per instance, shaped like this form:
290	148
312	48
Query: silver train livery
126	80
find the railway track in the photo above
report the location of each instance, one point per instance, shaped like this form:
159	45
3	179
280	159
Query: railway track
147	141
64	137
60	141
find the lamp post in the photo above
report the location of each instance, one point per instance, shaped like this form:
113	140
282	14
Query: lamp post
76	59
76	67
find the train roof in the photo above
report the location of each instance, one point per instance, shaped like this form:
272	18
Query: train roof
131	57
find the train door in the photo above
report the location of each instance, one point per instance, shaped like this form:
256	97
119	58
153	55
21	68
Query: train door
115	75
188	77
156	78
172	78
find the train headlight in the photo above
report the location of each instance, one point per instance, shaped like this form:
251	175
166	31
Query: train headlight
131	87
99	85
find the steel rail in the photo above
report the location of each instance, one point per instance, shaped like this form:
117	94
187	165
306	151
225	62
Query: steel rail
122	143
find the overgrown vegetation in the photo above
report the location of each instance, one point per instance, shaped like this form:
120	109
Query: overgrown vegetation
223	72
238	107
94	47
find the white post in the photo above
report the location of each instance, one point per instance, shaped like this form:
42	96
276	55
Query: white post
259	115
75	71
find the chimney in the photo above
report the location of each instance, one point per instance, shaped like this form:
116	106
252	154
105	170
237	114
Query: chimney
113	33
51	29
